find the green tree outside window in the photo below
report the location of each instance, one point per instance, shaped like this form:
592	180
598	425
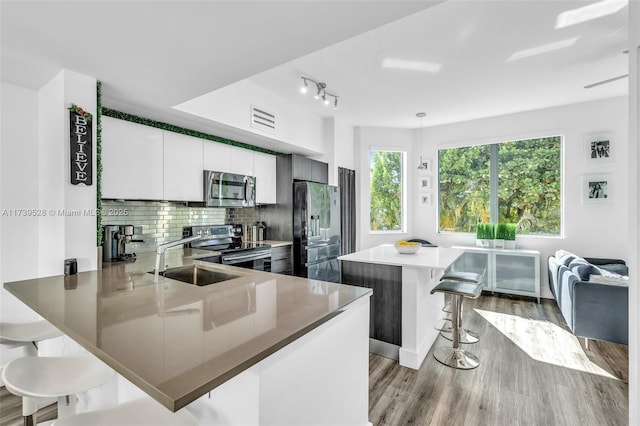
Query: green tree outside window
528	178
386	172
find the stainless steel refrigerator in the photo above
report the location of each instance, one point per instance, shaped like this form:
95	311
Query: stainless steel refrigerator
316	231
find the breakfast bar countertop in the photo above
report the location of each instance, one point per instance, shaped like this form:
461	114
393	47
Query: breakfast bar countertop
425	257
177	341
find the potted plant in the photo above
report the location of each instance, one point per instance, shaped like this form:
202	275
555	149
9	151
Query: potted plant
484	234
510	236
501	235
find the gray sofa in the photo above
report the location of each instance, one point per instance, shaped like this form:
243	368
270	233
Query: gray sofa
592	294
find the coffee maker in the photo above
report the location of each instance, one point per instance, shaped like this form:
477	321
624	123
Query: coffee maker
114	241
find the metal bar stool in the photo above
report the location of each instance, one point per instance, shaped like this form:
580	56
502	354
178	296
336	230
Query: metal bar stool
139	412
454	356
465	336
35	378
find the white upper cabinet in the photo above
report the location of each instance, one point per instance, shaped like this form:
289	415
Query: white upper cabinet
183	165
132	165
264	169
144	163
241	161
216	156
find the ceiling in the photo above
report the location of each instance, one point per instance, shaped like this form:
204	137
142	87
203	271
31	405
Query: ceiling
153	55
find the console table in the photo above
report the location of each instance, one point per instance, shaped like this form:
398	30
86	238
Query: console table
512	271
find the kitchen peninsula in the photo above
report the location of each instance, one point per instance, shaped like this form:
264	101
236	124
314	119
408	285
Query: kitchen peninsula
403	312
259	348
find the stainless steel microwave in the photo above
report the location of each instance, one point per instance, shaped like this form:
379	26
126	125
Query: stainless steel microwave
229	190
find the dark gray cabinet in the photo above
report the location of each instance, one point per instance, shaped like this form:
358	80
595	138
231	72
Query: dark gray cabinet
281	260
385	322
290	168
304	168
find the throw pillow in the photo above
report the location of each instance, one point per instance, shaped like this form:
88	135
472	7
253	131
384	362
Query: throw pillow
617	268
565	257
584	269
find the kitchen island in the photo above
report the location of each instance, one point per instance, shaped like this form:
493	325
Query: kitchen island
403	312
258	348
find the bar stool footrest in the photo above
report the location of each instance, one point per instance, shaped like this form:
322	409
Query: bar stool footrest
456	358
466	336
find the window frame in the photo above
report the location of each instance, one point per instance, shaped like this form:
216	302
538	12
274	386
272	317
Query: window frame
494	210
404	204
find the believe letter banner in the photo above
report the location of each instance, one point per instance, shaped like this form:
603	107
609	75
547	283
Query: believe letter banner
80	147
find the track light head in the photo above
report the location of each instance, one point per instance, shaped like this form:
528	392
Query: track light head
335	102
305	87
320	87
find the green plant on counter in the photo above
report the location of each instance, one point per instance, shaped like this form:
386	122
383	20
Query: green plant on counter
510	231
501	231
485	231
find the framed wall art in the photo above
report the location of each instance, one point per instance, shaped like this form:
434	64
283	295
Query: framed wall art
426	198
425	183
598	149
426	165
596	189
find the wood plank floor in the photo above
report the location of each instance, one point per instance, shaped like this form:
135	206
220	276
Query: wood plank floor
533	371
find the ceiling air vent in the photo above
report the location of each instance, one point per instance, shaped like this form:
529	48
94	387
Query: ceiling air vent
263	120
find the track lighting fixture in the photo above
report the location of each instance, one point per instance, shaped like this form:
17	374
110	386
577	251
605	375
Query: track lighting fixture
321	92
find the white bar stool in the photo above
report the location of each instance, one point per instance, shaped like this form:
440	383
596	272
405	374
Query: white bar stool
34	378
139	412
27	334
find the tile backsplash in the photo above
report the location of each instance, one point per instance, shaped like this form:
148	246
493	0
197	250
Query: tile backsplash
157	222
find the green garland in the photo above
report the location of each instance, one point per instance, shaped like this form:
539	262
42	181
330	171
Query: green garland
99	165
177	129
75	108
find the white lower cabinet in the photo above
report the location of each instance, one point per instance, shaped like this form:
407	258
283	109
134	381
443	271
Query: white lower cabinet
506	271
182	167
264	169
132	161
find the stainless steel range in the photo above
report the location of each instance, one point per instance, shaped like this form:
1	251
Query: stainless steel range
227	240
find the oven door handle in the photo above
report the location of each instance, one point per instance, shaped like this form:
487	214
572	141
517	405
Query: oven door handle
254	256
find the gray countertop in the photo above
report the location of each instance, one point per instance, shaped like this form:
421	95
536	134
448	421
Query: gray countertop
177	341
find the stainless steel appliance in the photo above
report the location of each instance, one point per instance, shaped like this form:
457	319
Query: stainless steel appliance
227	240
114	241
229	190
316	231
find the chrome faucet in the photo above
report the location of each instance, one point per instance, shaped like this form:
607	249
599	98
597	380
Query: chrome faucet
163	247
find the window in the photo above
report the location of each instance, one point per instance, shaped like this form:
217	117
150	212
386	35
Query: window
516	182
387	208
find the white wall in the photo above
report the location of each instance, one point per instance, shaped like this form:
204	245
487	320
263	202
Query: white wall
345	155
338	148
593	230
231	106
367	138
19	254
64	236
35	177
634	216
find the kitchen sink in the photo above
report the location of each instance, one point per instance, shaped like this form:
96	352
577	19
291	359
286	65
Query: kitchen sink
197	275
